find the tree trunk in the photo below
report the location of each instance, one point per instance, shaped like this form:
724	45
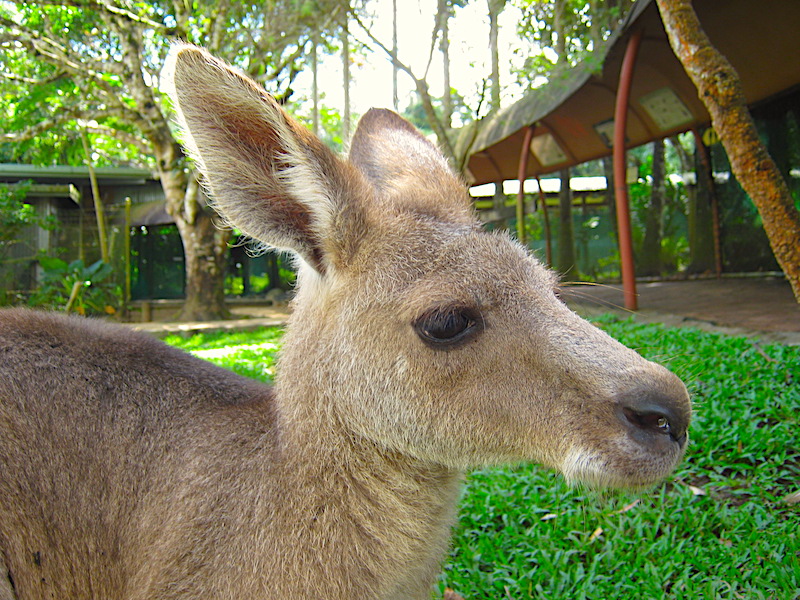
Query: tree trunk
566	237
395	68
495	8
608	171
447	98
700	218
346	81
650	259
204	244
700	225
315	84
720	90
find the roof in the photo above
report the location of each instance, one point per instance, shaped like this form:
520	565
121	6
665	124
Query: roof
62	173
573	117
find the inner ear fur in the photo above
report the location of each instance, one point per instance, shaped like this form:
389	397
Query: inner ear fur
398	161
268	175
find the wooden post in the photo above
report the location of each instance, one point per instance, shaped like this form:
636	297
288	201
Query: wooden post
620	164
147	312
548	244
98	201
523	168
705	159
127	240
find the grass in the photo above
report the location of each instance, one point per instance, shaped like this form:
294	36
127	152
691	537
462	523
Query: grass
718	528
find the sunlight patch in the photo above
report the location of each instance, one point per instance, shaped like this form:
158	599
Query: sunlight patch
230	350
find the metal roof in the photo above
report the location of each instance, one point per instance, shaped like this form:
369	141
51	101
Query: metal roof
17	172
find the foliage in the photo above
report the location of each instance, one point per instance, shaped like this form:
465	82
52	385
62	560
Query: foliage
94	67
74	286
567	32
16	214
716	529
674	243
330	124
99	64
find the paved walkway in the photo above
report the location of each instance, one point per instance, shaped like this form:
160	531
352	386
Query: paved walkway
246	318
762	307
759	307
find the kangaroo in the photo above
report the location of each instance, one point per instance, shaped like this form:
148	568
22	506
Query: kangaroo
419	345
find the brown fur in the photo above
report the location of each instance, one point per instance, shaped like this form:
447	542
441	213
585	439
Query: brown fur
133	471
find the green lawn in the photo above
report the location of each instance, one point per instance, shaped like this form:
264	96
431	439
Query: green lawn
718	528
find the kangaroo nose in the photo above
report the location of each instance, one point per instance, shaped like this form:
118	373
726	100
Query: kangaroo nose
649	413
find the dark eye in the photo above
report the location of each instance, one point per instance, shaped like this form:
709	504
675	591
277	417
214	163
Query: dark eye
446	327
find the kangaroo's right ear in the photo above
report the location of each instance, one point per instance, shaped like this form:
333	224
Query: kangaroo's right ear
269	176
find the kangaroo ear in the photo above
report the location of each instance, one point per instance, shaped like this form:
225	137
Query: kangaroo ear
397	160
382	138
268	175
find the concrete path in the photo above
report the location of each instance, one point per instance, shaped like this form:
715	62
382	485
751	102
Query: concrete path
762	307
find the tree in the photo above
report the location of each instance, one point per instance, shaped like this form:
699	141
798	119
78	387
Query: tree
565	263
15	216
437	118
346	79
495	8
99	62
720	89
650	258
444	13
567	32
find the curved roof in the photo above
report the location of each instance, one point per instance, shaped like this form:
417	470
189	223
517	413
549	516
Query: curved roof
573	117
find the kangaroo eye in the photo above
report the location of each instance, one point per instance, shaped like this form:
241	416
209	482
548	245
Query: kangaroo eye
447	327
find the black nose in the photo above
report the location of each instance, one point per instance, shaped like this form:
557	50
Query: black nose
653	413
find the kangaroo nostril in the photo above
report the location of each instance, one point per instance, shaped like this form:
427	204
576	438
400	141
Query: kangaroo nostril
654	413
653	420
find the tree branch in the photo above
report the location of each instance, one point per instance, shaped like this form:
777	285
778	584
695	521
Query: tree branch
123	136
108	7
32	81
423	91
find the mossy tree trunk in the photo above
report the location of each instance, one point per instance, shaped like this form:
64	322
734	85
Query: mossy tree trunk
720	89
204	244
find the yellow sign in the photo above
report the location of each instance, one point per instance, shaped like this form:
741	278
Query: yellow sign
710	137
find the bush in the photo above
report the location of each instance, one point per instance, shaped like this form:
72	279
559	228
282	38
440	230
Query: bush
76	287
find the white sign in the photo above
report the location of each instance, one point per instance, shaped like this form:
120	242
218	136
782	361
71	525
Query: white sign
666	109
547	151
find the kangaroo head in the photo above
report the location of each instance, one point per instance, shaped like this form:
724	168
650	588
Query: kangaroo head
413	328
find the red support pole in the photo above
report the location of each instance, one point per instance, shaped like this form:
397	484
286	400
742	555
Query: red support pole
525	152
620	164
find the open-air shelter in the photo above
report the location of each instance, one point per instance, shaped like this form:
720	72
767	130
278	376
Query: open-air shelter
641	85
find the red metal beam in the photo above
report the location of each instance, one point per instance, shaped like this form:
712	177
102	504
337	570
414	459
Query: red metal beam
524	154
620	164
